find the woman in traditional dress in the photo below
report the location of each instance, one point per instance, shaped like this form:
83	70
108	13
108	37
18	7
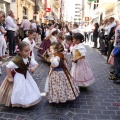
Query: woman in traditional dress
19	88
60	86
81	71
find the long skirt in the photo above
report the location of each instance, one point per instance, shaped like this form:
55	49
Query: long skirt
82	73
6	92
25	91
59	88
68	61
45	45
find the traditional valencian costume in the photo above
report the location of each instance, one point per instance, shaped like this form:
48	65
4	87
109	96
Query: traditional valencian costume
81	71
32	45
60	85
23	92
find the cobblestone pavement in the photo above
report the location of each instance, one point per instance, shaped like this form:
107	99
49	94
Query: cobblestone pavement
95	103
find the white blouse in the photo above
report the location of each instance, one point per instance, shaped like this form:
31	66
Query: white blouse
48	32
81	48
55	61
106	30
31	45
53	39
75	30
12	65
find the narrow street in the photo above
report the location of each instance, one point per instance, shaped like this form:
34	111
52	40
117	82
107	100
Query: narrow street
98	102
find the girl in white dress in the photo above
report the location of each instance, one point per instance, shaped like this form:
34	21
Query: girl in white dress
31	42
80	71
19	88
60	85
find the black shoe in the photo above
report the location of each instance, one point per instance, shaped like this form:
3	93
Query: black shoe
6	53
111	72
116	81
12	54
112	77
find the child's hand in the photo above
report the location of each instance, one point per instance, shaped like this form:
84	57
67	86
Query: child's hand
32	69
40	48
10	79
73	59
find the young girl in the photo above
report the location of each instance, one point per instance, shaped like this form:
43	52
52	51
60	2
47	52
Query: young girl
67	55
80	71
59	84
69	42
19	88
31	42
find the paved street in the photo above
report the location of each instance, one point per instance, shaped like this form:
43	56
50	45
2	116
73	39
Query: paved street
95	103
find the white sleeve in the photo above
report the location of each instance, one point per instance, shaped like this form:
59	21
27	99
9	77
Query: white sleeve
55	61
11	23
82	51
74	31
47	33
33	62
26	40
11	65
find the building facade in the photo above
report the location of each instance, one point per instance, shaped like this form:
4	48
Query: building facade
86	11
104	9
54	6
77	14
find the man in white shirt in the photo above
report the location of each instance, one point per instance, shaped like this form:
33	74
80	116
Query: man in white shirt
111	27
11	27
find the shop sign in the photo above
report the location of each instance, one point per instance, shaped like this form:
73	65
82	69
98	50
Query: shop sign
86	18
48	9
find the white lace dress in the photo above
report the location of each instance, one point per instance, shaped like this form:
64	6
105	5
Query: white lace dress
25	90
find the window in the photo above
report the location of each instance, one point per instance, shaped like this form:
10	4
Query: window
77	15
77	8
77	4
24	11
76	11
96	3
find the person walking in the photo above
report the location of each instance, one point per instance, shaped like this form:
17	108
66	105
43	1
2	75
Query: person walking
95	35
